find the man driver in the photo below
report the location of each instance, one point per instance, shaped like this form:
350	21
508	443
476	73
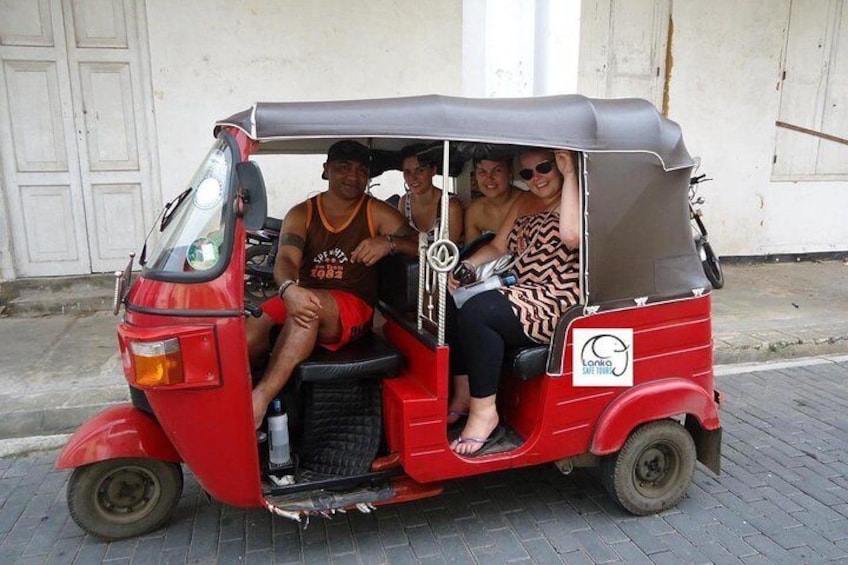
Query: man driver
326	268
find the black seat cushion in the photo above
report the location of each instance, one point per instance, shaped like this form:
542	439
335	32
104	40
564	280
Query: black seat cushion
369	357
526	363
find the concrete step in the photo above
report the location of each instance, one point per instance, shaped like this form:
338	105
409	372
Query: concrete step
42	296
52	412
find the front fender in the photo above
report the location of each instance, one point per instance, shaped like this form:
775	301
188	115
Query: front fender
651	401
119	431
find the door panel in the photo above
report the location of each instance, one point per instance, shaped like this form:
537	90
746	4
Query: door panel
623	48
100	23
35	110
638	39
835	120
109	121
802	89
117	219
26	22
49	224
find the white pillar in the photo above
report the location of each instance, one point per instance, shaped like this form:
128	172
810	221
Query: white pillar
520	47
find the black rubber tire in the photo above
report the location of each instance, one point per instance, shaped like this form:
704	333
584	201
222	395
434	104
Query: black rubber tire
653	469
124	498
712	268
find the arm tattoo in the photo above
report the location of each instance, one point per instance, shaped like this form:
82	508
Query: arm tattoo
292	239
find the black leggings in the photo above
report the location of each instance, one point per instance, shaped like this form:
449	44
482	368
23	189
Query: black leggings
485	327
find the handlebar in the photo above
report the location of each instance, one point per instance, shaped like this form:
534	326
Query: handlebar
699	179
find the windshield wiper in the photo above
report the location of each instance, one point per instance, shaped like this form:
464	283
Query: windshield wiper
171	207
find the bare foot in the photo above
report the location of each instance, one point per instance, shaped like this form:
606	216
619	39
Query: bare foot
481	423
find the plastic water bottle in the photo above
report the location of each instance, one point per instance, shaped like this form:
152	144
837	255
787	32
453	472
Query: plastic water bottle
278	436
463	293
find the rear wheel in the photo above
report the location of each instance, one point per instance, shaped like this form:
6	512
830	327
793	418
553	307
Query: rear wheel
712	268
122	498
653	469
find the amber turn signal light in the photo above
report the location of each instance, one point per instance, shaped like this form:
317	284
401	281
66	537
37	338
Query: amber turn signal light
157	363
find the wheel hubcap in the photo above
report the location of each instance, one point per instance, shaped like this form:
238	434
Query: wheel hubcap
127	494
656	468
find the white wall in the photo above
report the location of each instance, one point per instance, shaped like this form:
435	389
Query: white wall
213	58
723	91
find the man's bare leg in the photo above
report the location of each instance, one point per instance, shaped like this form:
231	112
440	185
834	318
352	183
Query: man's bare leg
294	345
258	333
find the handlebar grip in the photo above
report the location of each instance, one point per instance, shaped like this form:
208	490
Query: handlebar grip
696	180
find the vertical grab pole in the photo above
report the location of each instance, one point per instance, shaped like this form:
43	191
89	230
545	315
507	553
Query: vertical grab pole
444	233
423	273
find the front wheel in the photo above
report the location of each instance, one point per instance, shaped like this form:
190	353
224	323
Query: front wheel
122	498
712	268
653	469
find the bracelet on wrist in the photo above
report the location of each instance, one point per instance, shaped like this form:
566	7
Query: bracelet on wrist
284	286
391	241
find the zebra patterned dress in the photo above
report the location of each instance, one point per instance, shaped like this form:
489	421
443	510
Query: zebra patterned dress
548	274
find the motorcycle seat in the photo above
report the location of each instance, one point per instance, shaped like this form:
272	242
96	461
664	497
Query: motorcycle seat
369	357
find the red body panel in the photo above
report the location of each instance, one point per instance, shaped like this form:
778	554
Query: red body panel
119	431
207	422
673	358
211	427
659	399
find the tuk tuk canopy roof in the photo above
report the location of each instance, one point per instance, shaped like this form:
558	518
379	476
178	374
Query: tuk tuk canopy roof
567	122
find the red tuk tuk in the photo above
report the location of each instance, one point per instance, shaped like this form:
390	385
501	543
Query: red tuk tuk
626	383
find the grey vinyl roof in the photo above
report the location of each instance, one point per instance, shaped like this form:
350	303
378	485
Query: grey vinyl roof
566	121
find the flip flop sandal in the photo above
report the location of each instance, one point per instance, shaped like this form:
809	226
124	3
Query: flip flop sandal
486	445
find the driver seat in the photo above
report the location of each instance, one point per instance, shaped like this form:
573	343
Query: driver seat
341	400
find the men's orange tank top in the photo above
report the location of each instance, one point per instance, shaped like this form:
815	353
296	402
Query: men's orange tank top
326	255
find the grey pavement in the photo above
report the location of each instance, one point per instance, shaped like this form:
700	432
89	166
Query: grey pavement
56	370
782	498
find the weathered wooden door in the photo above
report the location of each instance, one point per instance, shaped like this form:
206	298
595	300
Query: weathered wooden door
73	134
623	49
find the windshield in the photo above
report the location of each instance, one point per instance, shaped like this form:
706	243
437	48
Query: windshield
191	233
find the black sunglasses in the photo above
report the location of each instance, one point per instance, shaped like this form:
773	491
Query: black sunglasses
542	168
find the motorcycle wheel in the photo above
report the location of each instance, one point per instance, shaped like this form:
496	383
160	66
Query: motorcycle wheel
712	268
122	498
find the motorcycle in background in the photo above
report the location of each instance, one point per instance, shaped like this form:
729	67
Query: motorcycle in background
709	260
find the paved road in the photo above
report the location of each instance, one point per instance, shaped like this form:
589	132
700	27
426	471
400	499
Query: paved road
782	498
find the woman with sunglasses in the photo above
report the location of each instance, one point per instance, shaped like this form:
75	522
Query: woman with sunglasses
542	231
421	205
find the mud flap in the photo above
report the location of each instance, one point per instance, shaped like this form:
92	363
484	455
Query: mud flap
707	444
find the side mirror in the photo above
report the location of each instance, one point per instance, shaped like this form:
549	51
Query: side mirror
253	189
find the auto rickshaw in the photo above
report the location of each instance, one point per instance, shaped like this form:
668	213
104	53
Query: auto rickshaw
368	423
